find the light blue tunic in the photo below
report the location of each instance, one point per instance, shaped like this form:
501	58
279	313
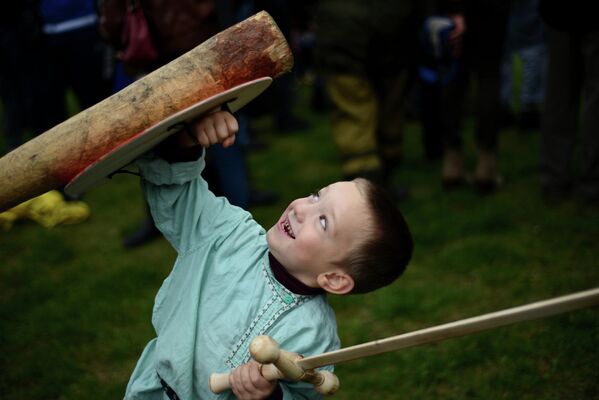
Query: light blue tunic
220	294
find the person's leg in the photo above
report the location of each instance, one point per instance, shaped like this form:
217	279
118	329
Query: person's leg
229	165
51	84
486	175
510	50
506	79
86	66
453	96
391	93
589	182
13	80
354	121
283	91
487	110
430	114
354	124
533	85
487	43
506	91
560	115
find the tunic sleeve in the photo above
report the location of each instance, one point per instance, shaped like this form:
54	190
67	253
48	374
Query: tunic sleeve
183	208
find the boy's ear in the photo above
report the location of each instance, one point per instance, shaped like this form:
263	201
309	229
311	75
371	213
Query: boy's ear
336	282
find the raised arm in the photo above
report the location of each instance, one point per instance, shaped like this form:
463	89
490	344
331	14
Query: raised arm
173	186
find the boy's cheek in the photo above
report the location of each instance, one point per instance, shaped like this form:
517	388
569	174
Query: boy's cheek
306	251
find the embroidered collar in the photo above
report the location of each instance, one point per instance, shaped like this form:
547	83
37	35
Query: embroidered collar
289	281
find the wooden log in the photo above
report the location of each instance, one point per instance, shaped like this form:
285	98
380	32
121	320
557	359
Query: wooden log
252	49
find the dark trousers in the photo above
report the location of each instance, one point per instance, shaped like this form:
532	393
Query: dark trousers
571	108
72	60
480	62
19	52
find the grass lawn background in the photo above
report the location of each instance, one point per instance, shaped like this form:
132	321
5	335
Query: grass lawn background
75	306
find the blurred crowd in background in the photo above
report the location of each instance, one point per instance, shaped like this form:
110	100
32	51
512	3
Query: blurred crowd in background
369	65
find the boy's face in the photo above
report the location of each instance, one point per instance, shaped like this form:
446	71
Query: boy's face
318	230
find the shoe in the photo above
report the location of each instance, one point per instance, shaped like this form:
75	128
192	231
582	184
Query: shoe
452	171
49	210
145	233
486	178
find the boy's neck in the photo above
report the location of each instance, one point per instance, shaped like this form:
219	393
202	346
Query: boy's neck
289	281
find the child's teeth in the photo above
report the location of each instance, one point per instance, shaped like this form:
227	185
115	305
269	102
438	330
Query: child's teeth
288	229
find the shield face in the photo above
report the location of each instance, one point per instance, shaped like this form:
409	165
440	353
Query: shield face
101	170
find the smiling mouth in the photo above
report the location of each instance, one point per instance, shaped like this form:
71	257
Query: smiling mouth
287	228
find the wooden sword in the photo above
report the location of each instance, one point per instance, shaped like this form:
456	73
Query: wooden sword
280	364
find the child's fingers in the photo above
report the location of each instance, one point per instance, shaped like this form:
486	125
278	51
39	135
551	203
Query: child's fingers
246	380
258	381
222	128
210	129
231	122
240	382
230	141
248	383
208	135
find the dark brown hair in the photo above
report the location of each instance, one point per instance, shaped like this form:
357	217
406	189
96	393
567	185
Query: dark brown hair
384	253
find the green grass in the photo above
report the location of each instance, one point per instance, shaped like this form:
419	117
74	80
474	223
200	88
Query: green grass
75	307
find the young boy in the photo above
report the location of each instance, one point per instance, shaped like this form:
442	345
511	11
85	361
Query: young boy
233	281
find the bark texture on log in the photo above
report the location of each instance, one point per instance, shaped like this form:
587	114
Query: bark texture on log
252	49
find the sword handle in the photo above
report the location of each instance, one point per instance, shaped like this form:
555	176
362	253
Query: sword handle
279	364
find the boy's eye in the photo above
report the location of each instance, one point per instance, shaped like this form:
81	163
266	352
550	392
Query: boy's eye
314	196
323	222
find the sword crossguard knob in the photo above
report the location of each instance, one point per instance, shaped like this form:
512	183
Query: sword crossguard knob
265	350
329	384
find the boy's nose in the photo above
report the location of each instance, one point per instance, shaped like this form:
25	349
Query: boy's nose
301	210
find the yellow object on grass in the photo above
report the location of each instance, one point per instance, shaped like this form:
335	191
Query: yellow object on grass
49	209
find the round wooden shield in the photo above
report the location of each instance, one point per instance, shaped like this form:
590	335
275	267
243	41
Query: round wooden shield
126	152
